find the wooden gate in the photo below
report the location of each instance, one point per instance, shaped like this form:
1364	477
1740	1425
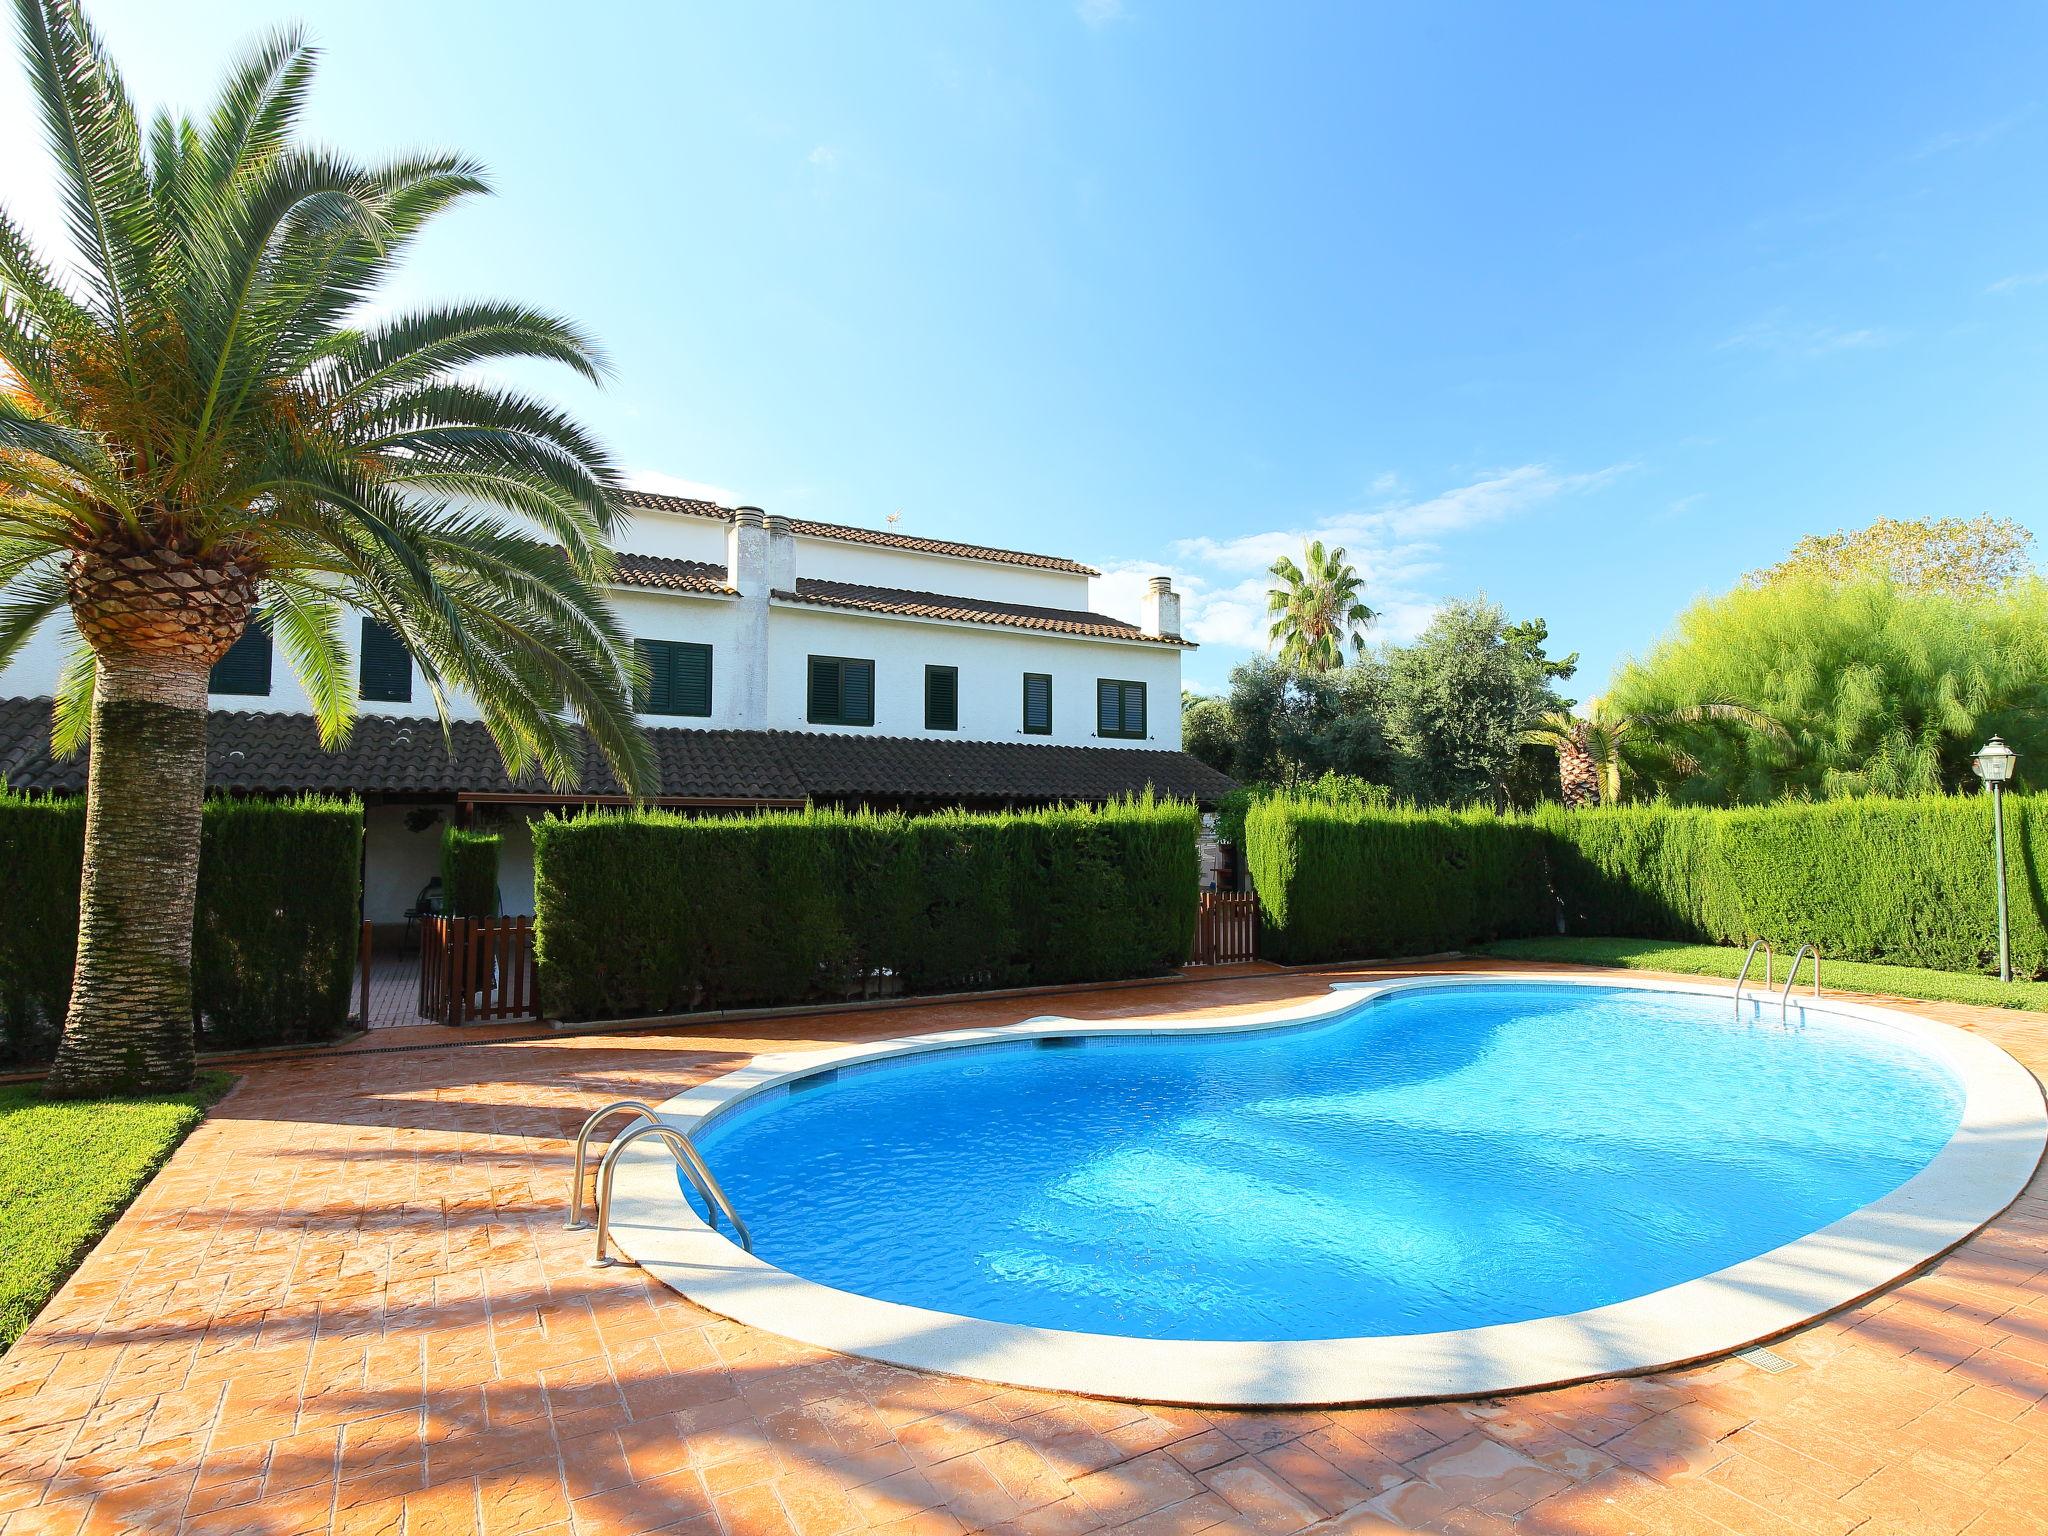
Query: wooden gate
1226	928
477	968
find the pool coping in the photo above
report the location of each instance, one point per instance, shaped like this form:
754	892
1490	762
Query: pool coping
1981	1170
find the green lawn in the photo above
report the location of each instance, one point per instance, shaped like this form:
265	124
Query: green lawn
67	1171
1715	960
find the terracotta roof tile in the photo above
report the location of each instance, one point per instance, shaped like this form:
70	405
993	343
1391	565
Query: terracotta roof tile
692	507
967	610
665	574
405	756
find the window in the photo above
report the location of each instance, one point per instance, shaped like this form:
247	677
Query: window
384	669
246	666
942	698
842	691
1037	703
678	677
1119	708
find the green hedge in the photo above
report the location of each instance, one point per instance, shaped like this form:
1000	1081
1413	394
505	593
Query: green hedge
1347	881
654	912
469	872
274	938
1898	882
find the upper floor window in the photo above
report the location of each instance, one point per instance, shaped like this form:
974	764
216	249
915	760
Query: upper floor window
942	698
1119	708
384	670
1037	703
678	677
245	668
842	691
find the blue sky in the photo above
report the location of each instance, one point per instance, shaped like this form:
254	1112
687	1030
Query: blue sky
1590	308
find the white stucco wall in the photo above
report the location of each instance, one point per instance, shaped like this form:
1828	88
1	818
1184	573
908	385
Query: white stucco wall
992	665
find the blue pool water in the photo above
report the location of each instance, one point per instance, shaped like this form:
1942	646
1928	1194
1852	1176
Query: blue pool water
1445	1158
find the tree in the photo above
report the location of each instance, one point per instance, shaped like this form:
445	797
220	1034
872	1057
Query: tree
1878	690
1317	609
1953	555
1281	726
1589	746
1461	696
193	429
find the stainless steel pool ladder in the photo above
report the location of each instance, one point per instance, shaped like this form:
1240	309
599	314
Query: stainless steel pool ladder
680	1146
1740	978
1785	997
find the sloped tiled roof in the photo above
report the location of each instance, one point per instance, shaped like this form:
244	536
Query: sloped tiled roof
967	610
665	574
267	752
692	507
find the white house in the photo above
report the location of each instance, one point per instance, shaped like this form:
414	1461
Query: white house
790	662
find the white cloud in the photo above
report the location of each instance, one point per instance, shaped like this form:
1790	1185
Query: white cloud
1973	138
2018	281
1775	333
659	484
1099	13
825	156
1395	544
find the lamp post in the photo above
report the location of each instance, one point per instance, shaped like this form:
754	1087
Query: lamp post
1994	763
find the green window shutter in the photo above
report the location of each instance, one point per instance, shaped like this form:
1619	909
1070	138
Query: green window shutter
942	698
1119	708
383	667
1038	703
245	669
857	685
678	677
824	692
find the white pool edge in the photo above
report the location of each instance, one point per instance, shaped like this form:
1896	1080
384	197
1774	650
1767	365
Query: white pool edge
1981	1170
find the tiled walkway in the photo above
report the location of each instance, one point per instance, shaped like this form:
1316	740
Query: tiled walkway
348	1303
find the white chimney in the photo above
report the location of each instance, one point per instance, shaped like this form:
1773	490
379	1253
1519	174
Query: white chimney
781	555
746	551
1162	609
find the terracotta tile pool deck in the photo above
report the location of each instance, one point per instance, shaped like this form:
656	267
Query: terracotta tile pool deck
348	1303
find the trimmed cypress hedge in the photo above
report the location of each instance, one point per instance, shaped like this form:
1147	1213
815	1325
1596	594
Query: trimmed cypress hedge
274	936
1346	881
1900	882
655	912
469	872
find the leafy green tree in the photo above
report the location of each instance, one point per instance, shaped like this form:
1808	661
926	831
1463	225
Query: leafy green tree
198	429
1955	555
1878	689
1317	608
1460	698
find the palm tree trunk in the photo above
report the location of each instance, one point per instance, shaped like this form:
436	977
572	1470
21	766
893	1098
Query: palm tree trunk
129	1028
1578	776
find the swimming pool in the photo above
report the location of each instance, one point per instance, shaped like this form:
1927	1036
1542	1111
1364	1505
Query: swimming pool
1444	1171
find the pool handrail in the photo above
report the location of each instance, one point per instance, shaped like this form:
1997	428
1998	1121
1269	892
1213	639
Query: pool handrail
687	1159
1743	974
1785	997
576	1223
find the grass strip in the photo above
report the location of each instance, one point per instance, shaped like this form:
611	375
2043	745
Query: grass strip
1722	961
68	1170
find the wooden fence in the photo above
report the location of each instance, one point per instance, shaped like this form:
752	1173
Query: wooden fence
1226	928
477	968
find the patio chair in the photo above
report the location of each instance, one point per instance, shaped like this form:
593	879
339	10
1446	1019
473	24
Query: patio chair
426	904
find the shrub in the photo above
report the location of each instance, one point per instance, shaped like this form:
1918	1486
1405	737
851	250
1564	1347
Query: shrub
1901	882
274	939
274	935
1339	881
42	845
469	872
655	912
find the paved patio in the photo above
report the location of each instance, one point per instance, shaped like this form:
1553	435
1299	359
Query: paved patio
348	1303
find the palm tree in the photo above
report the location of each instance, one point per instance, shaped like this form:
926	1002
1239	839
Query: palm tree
1588	747
1318	609
195	429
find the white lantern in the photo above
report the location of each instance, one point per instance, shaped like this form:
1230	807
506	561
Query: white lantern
1994	761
